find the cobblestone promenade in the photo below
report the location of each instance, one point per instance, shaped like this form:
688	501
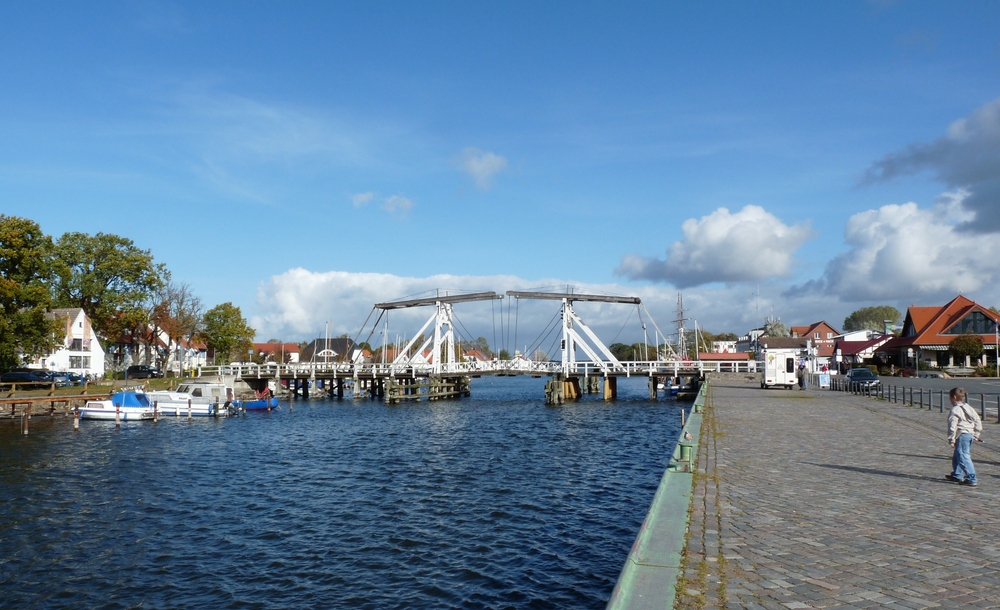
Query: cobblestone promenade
820	499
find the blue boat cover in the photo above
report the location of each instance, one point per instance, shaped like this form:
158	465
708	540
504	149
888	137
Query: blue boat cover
129	399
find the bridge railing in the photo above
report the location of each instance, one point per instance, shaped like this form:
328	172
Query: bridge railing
588	368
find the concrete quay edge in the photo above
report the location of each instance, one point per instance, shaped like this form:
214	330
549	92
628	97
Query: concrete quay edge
650	573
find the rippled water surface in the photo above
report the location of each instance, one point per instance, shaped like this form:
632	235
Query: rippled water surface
492	501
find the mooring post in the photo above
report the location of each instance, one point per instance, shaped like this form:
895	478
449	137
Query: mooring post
155	412
118	416
25	417
76	418
189	408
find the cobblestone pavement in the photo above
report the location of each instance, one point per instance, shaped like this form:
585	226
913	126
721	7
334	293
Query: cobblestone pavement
819	499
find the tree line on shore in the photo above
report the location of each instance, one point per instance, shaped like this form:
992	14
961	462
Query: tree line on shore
127	295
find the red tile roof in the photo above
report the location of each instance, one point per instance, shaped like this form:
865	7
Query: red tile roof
928	324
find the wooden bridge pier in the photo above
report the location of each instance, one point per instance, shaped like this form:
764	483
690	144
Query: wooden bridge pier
610	388
431	388
560	388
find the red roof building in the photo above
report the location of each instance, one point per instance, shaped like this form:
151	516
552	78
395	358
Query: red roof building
929	330
820	334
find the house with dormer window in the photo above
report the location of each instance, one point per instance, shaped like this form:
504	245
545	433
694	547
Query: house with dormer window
77	348
927	331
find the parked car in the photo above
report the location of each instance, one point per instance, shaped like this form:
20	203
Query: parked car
25	376
75	379
61	380
142	371
863	378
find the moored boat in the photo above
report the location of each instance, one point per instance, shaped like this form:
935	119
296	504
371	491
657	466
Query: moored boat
200	398
261	404
670	386
123	406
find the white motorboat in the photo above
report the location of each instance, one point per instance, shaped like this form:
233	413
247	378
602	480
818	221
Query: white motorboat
122	406
206	398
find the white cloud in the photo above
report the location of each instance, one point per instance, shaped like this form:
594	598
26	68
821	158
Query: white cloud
361	199
903	252
748	246
297	304
397	205
481	166
967	157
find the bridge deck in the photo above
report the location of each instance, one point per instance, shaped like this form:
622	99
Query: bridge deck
367	371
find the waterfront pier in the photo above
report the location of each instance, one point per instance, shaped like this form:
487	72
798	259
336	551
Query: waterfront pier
824	499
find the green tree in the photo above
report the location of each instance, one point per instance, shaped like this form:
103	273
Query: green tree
25	273
966	345
620	351
871	318
227	332
774	327
111	279
636	351
482	344
504	355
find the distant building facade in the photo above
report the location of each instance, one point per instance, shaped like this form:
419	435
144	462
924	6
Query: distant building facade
79	350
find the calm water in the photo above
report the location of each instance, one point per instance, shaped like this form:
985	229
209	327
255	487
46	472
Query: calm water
493	501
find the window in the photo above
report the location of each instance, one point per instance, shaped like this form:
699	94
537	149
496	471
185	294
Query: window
829	335
79	362
789	365
815	335
976	323
76	345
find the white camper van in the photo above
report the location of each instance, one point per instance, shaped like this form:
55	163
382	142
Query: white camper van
778	367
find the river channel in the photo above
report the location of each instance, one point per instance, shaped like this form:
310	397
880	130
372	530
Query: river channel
493	501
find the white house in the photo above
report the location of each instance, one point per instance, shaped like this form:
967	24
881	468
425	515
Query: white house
723	347
161	350
79	351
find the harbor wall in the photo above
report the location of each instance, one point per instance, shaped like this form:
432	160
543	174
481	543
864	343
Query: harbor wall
649	577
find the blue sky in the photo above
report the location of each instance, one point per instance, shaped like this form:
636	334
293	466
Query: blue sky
305	160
